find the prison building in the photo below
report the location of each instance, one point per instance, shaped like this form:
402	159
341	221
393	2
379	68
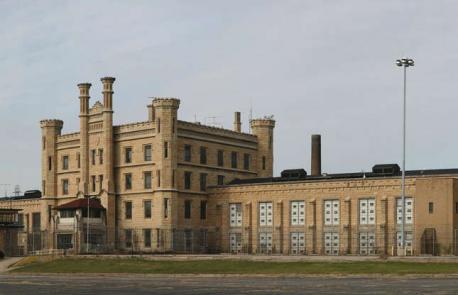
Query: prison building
340	214
167	185
9	231
144	174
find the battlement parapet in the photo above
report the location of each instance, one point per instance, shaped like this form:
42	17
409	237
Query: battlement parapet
166	102
56	123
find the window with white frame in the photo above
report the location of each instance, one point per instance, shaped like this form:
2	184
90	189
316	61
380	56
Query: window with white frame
331	243
408	238
297	244
331	212
235	215
265	214
408	201
367	211
367	243
297	213
235	240
265	242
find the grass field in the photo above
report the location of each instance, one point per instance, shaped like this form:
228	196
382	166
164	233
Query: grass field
142	266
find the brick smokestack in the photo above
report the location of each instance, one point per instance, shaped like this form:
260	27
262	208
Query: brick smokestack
237	122
316	155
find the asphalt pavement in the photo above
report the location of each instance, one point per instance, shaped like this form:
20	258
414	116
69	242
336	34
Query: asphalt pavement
199	284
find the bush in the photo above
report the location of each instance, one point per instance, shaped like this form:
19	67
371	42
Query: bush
2	255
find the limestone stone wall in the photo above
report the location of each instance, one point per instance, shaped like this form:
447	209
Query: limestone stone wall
347	192
97	138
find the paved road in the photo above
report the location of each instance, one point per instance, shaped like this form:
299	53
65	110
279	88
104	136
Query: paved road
113	285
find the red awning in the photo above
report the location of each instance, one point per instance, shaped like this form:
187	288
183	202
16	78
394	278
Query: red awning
81	203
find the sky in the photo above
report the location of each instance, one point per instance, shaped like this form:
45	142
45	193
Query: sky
324	67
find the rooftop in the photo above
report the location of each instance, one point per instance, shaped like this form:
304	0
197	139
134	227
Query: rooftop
31	194
81	203
354	175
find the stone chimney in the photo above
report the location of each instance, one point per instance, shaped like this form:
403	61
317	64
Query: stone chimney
237	122
151	113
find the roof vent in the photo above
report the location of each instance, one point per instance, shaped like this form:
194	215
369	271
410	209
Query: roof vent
32	194
294	173
386	169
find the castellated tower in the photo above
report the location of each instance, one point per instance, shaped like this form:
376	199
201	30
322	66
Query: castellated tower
50	130
264	130
152	177
165	116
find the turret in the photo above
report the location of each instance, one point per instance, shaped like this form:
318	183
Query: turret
50	130
108	133
264	130
108	196
108	92
84	136
166	110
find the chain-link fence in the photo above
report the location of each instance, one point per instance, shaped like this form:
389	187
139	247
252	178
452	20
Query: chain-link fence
365	242
273	241
155	240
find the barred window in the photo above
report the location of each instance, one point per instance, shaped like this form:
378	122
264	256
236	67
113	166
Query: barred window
203	210
147	237
147	209
100	156
234	160
187	209
65	162
93	153
93	182
166	149
187	180
128	234
147	179
65	186
147	153
246	161
166	207
128	155
220	158
100	182
203	155
128	208
187	153
203	182
128	181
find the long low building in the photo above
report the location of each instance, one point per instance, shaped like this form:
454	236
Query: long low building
339	214
167	185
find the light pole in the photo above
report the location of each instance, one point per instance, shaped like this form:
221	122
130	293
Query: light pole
405	63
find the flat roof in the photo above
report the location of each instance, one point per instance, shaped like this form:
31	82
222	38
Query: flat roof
337	176
9	210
